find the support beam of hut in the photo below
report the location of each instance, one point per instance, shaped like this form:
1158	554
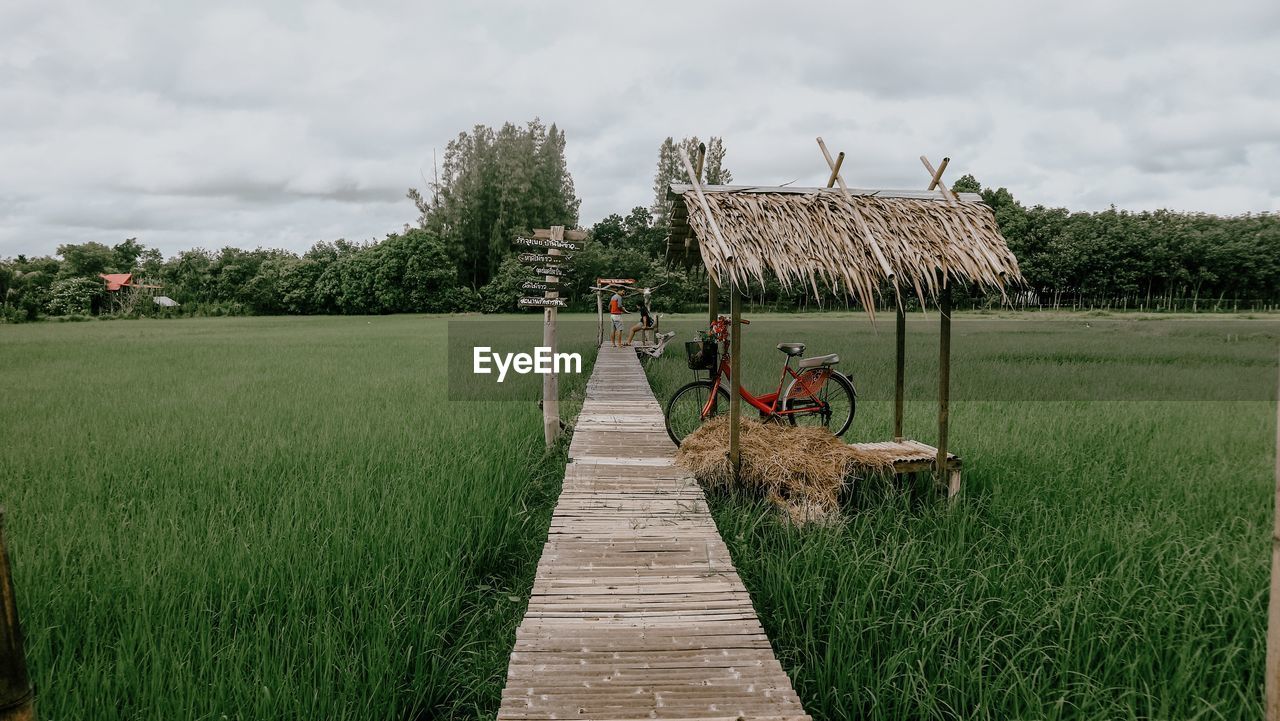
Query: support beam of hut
944	382
835	171
713	288
722	246
900	372
1273	606
735	378
936	176
713	297
858	219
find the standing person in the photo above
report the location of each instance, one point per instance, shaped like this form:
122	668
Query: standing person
615	313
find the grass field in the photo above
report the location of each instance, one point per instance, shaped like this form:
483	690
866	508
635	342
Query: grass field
1108	559
285	518
265	518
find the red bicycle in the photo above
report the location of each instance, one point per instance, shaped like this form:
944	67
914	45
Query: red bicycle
818	395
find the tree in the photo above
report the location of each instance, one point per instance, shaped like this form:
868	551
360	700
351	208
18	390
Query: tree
85	260
671	170
496	185
966	184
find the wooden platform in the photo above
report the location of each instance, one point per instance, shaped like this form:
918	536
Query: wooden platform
914	456
637	611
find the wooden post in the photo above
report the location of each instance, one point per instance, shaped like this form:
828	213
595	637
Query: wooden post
550	383
735	377
17	700
599	319
900	375
713	297
1273	606
944	385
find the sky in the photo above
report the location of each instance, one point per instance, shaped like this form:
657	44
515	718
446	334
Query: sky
279	124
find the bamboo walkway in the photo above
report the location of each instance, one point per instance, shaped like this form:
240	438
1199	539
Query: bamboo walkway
637	611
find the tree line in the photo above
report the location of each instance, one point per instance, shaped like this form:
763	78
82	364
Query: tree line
497	184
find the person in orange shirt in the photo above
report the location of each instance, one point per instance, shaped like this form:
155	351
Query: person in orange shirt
616	310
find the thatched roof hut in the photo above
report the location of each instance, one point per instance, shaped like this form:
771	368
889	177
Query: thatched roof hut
828	241
845	241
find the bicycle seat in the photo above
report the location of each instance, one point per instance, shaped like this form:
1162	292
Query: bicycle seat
791	349
829	359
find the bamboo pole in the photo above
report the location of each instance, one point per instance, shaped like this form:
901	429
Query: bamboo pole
944	377
862	224
937	178
900	373
17	699
1273	606
735	378
937	174
550	383
835	169
713	288
706	208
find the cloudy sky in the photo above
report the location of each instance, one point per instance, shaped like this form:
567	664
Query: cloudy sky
280	124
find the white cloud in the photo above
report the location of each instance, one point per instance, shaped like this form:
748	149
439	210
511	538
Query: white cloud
280	124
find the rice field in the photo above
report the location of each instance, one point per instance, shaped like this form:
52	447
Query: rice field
265	518
1109	557
311	518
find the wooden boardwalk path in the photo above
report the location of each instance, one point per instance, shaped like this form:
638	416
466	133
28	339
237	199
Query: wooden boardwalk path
637	611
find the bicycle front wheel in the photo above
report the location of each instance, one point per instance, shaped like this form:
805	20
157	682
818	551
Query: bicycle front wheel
822	398
692	405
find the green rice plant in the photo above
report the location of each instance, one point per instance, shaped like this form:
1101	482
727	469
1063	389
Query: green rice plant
1108	557
266	518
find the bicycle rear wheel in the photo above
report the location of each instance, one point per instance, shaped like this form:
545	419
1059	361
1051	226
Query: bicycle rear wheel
824	398
689	408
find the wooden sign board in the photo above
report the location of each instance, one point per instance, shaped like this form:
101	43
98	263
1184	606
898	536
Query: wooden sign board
542	303
568	234
539	285
615	281
535	293
550	270
574	245
542	259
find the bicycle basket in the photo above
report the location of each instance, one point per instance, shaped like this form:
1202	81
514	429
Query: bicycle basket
702	354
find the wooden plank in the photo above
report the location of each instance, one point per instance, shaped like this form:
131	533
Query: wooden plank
636	610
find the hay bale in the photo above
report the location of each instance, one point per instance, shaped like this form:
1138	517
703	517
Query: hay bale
802	470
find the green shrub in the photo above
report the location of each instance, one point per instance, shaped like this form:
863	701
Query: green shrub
74	295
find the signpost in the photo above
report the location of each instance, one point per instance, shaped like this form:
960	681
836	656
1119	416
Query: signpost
545	294
615	281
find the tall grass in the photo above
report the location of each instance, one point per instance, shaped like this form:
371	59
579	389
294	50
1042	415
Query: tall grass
265	518
1108	558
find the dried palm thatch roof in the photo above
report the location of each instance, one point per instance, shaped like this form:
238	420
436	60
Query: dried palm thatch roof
823	240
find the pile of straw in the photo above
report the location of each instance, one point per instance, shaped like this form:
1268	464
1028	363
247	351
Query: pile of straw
801	470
